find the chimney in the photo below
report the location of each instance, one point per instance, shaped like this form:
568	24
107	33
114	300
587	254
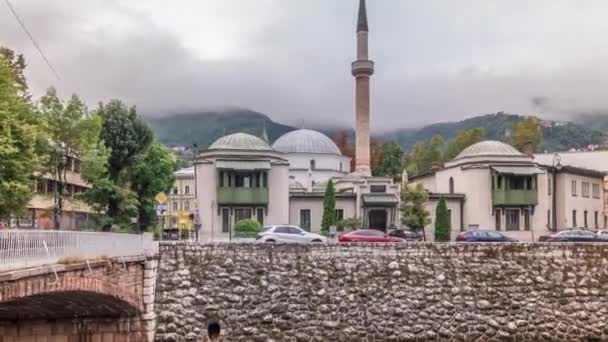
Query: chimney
528	149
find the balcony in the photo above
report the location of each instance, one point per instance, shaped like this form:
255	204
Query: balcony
242	196
510	197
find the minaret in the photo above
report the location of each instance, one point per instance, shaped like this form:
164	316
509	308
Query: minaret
362	69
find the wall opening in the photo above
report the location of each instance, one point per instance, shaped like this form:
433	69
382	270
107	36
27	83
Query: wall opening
213	330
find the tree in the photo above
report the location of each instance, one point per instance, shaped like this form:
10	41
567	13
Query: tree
71	130
527	131
329	207
16	65
413	212
391	164
423	155
151	174
20	137
126	137
442	221
347	149
248	228
463	139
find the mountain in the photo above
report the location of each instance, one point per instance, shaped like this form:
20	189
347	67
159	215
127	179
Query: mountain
203	128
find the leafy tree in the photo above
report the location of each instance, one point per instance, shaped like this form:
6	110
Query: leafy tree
463	139
391	163
247	228
329	207
71	131
442	221
527	131
127	137
413	212
424	154
151	174
20	135
16	64
352	223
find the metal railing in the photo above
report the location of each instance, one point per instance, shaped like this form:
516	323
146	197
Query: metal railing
31	248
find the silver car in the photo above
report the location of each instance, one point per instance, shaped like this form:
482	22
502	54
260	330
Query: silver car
288	234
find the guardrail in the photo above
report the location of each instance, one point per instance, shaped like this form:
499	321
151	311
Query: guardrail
31	248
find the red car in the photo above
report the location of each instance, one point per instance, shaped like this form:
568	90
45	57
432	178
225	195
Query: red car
368	235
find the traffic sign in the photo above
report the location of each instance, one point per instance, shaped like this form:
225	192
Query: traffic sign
161	198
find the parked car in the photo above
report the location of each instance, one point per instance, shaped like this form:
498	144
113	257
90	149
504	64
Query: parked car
368	235
404	234
288	234
574	235
482	235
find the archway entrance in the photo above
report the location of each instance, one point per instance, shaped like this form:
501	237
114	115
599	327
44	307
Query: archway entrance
378	219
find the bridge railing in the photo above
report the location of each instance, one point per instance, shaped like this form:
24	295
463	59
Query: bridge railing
31	248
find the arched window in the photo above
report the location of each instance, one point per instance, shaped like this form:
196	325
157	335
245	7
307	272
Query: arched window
451	185
187	205
312	164
175	206
340	166
175	192
187	190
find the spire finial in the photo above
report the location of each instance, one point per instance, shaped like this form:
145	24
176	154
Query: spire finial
362	21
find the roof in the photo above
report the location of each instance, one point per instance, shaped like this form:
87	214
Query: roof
518	170
489	148
306	141
596	160
185	172
362	18
241	165
240	141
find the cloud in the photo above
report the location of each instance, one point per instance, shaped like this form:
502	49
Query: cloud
435	60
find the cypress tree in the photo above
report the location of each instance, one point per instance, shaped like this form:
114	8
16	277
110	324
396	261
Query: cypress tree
442	221
329	207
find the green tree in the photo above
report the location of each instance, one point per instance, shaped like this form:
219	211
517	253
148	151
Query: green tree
71	131
423	155
527	131
413	211
247	228
463	139
151	174
127	137
391	163
20	135
442	221
329	207
16	65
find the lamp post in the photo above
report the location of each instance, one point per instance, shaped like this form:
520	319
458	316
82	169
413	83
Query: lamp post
557	165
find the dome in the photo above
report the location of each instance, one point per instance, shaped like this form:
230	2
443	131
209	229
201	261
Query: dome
489	148
240	141
306	141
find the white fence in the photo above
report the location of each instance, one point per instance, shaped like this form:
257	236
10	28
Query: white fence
31	248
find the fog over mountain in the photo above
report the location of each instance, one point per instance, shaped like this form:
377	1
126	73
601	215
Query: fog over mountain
436	60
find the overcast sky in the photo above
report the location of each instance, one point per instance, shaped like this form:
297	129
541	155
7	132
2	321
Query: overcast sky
435	60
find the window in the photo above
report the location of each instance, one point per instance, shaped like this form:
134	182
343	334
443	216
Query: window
605	221
175	191
50	187
313	164
529	183
451	185
260	216
76	165
339	215
41	186
516	183
187	190
585	189
549	185
597	221
225	220
527	220
282	230
340	166
305	219
499	182
187	206
585	219
242	214
574	218
264	180
596	191
498	219
175	206
377	188
549	218
295	231
512	218
573	188
222	179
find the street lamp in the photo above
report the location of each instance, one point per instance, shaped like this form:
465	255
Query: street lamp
557	166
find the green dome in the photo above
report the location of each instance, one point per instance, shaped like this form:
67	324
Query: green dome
240	141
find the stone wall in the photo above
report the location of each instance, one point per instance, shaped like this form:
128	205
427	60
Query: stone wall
417	292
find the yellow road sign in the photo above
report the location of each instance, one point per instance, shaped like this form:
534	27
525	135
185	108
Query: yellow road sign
161	198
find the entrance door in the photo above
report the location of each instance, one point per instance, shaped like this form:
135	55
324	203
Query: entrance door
225	220
377	219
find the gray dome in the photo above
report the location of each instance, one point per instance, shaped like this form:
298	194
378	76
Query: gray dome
489	148
306	141
240	141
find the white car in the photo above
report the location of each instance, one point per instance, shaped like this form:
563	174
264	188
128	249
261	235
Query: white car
288	234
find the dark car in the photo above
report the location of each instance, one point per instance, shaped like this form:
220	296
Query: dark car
404	234
573	235
368	235
480	235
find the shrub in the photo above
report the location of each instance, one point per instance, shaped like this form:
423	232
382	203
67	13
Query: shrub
352	223
442	222
247	228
